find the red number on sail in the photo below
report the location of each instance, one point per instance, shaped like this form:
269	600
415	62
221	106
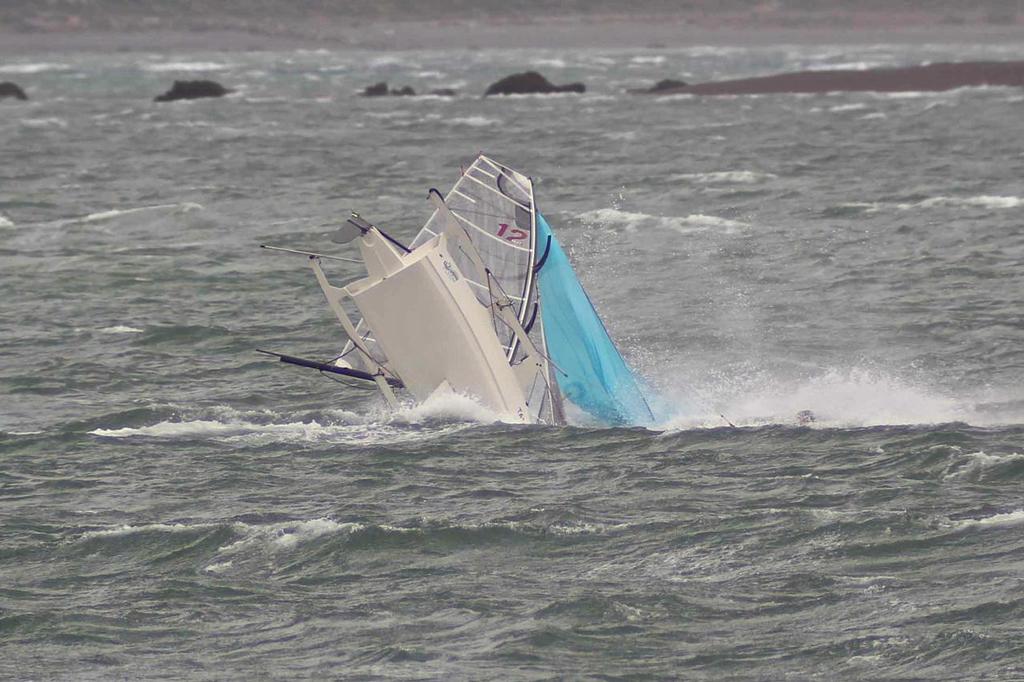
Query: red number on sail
514	235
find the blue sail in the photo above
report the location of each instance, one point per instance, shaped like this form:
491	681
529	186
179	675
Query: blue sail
593	374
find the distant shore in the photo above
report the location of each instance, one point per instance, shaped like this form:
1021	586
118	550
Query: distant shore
553	34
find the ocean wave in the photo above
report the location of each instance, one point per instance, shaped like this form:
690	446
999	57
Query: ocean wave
840	108
187	66
240	540
443	414
636	221
48	122
838	398
253	432
35	67
982	201
980	466
101	216
286	535
128	529
846	66
993	202
716	177
550	62
648	59
1002	520
5	221
120	329
474	121
446	407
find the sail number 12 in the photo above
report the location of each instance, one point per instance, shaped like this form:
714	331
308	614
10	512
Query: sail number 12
511	235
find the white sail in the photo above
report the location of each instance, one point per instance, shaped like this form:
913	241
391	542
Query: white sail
494	207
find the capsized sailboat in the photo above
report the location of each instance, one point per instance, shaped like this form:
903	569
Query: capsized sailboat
483	302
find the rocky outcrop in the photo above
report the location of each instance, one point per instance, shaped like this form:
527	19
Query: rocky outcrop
8	89
444	92
928	78
381	90
530	83
662	87
193	90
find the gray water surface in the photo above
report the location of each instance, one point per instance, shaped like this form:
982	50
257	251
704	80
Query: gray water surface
176	506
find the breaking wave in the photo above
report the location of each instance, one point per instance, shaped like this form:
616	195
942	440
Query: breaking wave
637	221
993	202
36	67
101	216
441	414
837	399
980	466
474	121
187	66
446	407
120	329
719	177
247	541
1014	518
983	201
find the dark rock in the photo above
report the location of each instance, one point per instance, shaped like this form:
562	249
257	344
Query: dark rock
9	89
530	83
443	92
381	90
376	90
193	90
928	78
668	85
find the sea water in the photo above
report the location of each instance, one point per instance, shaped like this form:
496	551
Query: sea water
175	505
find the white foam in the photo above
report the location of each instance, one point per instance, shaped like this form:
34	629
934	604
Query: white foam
5	221
446	406
187	66
145	528
186	207
474	121
285	535
1014	518
738	177
648	59
218	567
839	108
49	122
975	466
635	221
553	63
846	66
341	426
838	399
36	67
982	201
120	329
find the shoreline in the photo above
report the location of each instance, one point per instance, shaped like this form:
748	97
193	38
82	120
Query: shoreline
553	34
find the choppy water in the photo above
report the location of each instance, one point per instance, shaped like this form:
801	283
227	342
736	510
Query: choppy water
175	506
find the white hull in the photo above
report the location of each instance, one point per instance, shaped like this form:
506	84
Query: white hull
431	328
